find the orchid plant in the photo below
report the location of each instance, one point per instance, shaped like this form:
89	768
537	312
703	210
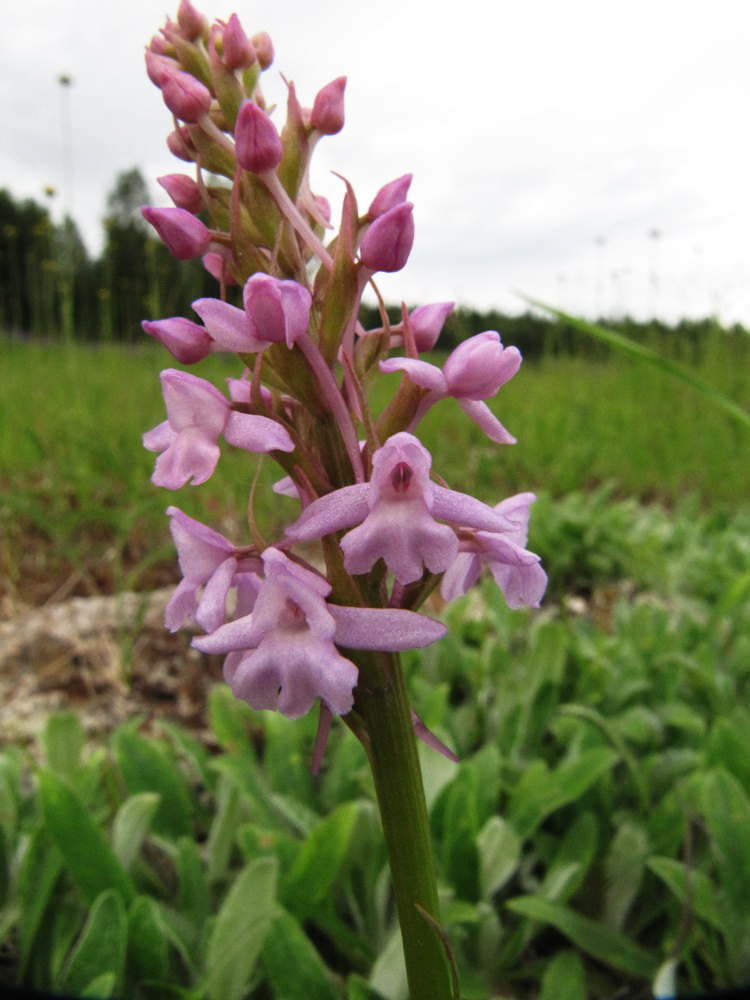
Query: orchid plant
300	629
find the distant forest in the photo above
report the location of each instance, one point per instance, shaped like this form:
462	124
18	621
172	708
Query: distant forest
51	288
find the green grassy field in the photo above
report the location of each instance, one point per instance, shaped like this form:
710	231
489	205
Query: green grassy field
74	479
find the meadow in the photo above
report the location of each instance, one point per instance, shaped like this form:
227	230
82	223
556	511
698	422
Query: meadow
593	841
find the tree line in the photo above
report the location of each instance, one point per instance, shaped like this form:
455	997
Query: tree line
51	288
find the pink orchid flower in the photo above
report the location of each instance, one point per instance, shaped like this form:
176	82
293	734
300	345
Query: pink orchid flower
275	312
516	571
395	515
283	655
211	567
473	372
197	414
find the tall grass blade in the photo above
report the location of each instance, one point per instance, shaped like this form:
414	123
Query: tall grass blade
644	353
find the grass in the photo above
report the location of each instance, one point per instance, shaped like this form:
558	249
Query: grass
79	508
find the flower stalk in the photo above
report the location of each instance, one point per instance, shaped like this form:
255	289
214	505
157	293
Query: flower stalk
392	752
389	529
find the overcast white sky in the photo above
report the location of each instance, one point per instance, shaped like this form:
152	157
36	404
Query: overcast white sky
547	138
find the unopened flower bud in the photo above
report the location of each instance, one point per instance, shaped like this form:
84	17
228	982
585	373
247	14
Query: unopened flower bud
323	207
426	323
185	96
238	52
327	114
158	45
187	341
158	66
183	191
257	142
277	311
479	366
387	243
219	268
390	195
192	23
183	234
264	48
181	145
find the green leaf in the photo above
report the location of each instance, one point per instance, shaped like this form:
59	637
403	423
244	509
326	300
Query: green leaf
359	989
195	902
40	870
607	946
146	767
101	987
499	849
643	353
623	872
293	967
193	750
148	951
131	825
572	859
727	811
692	887
63	739
10	780
240	929
459	848
231	721
564	978
388	975
90	860
729	747
100	949
540	792
5	864
319	861
221	836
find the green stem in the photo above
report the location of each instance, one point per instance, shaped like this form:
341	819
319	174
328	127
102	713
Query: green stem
384	705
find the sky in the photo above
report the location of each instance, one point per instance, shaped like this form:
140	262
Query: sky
592	155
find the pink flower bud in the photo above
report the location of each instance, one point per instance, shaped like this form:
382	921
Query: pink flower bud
257	142
219	268
479	366
427	322
181	145
158	66
185	96
328	109
183	191
187	341
158	45
183	234
238	51
264	48
389	196
192	23
387	243
323	207
277	311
